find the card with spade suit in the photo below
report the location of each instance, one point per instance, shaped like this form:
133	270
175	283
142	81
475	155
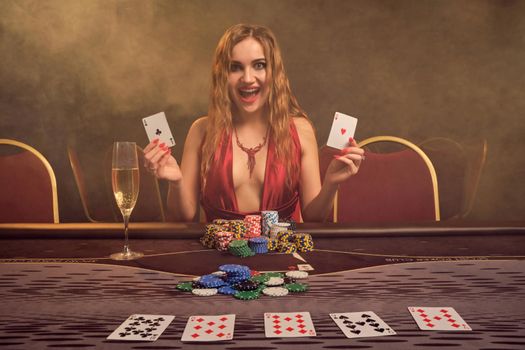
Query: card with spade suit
361	324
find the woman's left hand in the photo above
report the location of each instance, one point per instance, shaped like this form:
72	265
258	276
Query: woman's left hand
345	164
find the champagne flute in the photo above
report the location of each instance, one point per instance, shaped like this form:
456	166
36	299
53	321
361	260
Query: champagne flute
125	182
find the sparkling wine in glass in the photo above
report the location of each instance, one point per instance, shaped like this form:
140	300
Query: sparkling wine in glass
125	181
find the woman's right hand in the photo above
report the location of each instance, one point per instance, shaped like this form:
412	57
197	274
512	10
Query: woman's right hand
159	161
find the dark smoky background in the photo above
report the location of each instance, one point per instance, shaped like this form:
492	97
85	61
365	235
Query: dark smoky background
84	73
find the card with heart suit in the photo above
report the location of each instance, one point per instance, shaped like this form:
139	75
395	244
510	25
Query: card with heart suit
157	128
438	318
141	328
343	129
209	328
288	324
362	324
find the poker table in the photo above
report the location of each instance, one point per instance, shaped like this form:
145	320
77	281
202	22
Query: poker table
59	289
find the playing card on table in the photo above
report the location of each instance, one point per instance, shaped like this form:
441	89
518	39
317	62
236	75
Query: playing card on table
288	324
209	328
438	318
362	324
305	267
141	327
343	129
157	128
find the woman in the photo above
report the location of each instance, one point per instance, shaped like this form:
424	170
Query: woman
256	150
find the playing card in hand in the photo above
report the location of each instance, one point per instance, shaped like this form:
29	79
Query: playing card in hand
157	128
361	324
141	328
288	324
438	318
343	130
209	328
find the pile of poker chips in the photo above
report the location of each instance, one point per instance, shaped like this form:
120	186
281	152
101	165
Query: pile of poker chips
243	237
244	284
291	242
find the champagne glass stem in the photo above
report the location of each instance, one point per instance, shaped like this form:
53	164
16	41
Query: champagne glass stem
126	244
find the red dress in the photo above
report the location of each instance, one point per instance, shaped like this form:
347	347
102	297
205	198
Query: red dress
218	196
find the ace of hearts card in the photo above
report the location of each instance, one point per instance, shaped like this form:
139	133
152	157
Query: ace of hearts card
342	131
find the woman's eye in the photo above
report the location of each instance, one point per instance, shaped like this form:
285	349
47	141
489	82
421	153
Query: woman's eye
235	68
260	65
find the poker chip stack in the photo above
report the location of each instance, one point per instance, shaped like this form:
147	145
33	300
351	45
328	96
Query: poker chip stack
269	217
259	245
222	222
253	226
240	248
238	228
303	242
273	244
293	225
235	273
278	227
208	240
222	240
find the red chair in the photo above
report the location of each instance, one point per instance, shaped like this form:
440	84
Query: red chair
28	187
398	186
459	166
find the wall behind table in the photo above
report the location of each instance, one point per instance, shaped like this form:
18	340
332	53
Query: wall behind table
86	72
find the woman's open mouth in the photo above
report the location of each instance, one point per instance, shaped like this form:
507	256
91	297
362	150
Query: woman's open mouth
249	95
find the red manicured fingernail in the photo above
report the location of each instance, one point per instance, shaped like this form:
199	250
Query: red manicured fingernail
162	145
337	156
167	150
155	140
350	139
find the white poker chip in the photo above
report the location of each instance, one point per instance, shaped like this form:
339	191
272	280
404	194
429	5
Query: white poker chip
204	292
299	275
274	281
275	291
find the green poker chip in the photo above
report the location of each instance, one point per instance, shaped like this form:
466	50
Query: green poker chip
247	295
185	286
262	278
296	287
274	274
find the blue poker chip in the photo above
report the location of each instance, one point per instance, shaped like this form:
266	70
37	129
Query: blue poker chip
227	290
233	269
211	281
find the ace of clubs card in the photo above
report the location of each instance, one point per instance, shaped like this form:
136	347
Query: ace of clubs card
362	324
343	129
288	324
209	328
157	128
141	328
438	319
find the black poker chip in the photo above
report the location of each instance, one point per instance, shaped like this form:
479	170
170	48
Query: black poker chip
246	285
288	280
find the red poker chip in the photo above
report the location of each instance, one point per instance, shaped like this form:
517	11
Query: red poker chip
292	267
254	273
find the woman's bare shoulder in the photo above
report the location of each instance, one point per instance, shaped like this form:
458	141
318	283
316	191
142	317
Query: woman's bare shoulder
199	126
304	126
